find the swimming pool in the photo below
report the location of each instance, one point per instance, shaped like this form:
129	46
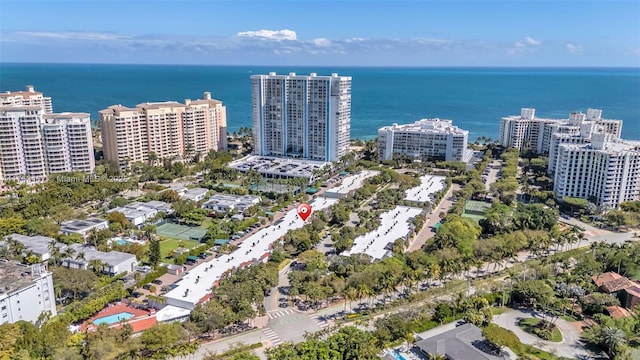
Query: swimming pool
112	319
122	242
398	356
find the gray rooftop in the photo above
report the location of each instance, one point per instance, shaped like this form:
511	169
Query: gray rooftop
37	244
79	225
112	257
287	167
14	276
461	343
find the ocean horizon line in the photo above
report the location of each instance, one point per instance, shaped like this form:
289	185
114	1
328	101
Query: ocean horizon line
493	67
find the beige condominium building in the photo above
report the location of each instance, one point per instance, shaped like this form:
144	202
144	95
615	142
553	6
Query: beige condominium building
26	98
300	116
527	131
34	144
426	138
170	130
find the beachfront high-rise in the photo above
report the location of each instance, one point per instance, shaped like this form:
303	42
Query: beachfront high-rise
34	144
433	138
526	131
301	116
170	130
601	168
27	98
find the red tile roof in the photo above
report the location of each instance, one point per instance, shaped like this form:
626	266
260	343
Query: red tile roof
611	282
633	290
618	312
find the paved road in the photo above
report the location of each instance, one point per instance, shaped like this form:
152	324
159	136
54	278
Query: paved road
432	219
493	173
571	346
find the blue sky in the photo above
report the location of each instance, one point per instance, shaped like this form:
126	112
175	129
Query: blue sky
305	32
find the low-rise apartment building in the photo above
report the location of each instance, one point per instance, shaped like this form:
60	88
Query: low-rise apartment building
26	293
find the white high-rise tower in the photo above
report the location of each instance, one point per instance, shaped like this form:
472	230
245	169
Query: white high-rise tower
306	117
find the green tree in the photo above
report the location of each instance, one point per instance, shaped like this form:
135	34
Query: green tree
154	253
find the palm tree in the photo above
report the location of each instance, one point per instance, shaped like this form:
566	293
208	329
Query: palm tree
613	338
54	252
96	264
350	294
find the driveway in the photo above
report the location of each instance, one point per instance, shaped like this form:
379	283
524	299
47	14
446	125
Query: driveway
571	346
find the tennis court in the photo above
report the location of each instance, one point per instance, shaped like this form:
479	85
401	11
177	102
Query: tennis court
475	209
182	232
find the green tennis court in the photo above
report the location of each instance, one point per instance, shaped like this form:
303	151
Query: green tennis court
181	232
475	209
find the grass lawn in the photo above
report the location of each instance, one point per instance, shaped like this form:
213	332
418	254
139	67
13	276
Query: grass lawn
498	310
529	325
206	223
168	245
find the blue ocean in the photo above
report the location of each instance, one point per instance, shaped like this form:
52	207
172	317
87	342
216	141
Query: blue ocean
474	98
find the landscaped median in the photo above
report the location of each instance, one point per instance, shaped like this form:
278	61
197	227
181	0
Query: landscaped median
543	329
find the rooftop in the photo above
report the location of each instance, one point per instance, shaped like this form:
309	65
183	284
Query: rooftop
14	276
231	199
353	182
461	343
79	225
111	258
37	244
427	126
278	166
618	312
196	284
429	185
394	224
193	193
611	282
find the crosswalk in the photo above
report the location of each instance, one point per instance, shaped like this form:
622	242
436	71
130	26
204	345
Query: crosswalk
320	322
272	336
274	314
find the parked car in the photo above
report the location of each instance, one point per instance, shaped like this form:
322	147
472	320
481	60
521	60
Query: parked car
147	287
157	282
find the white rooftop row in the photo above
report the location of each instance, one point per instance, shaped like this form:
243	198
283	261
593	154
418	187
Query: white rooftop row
138	212
351	183
196	284
278	167
394	224
437	126
429	186
229	202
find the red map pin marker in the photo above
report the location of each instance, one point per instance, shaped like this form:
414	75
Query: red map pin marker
304	210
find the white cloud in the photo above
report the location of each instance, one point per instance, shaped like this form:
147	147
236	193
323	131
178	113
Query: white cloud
574	48
322	42
73	35
531	41
284	34
527	42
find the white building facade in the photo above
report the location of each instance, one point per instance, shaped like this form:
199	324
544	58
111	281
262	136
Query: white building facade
27	98
301	116
604	170
26	293
434	138
527	131
34	144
